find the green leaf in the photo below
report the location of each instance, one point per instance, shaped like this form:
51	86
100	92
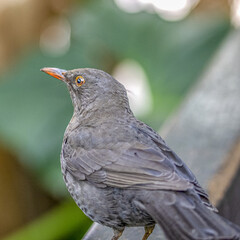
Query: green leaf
59	223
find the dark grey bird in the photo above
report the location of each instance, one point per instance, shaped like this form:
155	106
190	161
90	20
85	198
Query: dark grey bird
121	173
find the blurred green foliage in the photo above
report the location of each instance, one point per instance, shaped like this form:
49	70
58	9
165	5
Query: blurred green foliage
64	222
35	109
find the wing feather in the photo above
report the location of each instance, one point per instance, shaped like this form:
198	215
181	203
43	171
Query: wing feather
135	167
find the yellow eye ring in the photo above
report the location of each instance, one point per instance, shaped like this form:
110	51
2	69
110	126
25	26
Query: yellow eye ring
79	81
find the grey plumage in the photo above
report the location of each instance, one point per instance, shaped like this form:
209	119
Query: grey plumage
121	173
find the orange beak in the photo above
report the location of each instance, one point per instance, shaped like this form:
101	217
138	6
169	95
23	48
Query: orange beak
55	72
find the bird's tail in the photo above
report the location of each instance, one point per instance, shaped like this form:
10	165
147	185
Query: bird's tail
184	217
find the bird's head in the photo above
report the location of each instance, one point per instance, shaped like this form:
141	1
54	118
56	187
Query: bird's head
93	90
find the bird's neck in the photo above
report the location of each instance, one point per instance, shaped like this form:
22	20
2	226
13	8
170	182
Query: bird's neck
100	111
92	110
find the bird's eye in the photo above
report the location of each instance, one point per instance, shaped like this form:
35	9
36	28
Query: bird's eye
79	81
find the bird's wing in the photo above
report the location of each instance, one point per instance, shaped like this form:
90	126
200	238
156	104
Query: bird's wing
134	166
181	168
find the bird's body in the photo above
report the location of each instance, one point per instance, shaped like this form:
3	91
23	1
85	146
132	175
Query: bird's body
90	197
121	173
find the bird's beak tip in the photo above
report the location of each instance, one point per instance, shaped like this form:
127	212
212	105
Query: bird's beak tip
55	72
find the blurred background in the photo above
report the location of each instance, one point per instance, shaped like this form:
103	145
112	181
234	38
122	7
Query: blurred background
157	49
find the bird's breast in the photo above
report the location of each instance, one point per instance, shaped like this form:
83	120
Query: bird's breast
112	207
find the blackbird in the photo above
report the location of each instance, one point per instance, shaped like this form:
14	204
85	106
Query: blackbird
121	173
